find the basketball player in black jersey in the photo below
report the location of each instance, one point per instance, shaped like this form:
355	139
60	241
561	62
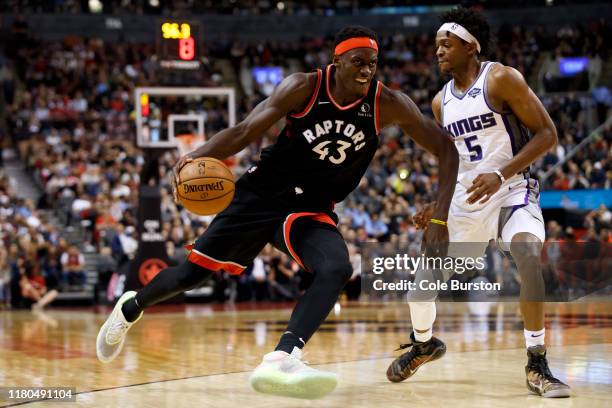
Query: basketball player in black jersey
334	116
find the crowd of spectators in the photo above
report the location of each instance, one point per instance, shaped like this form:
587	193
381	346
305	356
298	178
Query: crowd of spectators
589	168
234	7
31	251
71	110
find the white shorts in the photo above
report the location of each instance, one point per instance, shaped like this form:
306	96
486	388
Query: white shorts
513	209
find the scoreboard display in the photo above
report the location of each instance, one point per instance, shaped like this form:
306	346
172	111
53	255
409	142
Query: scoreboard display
179	44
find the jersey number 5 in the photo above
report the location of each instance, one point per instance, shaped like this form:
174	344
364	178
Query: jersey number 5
323	151
474	149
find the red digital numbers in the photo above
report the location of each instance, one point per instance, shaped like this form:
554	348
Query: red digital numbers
186	49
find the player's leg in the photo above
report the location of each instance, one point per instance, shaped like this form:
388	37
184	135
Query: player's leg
525	249
422	302
468	238
424	347
165	285
230	243
321	250
168	283
524	230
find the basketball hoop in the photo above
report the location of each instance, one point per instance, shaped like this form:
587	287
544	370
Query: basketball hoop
188	142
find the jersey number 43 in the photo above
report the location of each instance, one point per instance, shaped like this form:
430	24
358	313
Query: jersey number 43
323	151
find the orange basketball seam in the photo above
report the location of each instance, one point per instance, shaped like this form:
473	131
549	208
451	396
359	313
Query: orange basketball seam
205	177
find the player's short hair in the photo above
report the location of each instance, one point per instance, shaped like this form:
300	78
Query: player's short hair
353	31
474	22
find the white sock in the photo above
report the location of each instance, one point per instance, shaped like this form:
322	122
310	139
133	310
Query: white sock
422	336
423	315
534	338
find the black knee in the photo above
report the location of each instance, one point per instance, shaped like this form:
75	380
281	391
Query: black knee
335	272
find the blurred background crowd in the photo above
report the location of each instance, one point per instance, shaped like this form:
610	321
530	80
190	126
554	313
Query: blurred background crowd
69	117
233	7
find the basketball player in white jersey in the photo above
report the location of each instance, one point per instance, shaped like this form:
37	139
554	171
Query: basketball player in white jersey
491	112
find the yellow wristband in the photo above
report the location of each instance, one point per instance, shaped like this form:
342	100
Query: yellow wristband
437	221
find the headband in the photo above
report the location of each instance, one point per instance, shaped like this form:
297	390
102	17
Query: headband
355	42
460	32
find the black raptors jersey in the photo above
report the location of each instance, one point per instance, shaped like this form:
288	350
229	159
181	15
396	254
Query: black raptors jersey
322	152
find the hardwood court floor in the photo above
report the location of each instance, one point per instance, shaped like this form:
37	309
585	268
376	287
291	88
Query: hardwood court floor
195	356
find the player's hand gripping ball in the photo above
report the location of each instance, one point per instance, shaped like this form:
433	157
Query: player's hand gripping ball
204	186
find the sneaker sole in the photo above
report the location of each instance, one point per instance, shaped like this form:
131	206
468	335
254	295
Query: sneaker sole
308	387
562	393
102	332
102	358
558	393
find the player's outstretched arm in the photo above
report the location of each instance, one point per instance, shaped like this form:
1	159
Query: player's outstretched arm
291	95
507	89
398	109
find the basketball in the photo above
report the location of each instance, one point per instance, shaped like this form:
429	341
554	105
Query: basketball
206	186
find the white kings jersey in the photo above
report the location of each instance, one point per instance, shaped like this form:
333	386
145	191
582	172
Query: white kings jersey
485	138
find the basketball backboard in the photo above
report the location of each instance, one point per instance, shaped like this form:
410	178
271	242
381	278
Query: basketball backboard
164	112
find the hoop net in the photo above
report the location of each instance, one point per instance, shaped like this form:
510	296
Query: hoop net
188	142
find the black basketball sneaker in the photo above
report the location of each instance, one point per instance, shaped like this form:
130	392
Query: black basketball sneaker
540	380
421	352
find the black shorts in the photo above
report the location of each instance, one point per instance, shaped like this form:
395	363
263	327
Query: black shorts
238	234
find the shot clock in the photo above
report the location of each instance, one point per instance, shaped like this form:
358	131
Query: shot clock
179	44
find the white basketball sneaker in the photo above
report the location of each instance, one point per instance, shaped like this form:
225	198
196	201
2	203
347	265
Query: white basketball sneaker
112	333
286	374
